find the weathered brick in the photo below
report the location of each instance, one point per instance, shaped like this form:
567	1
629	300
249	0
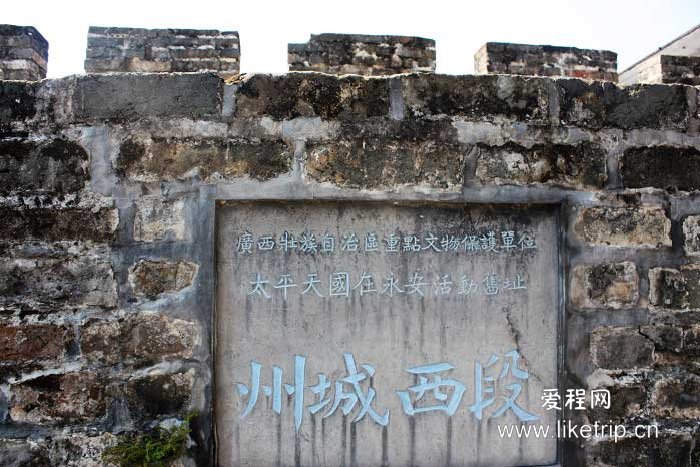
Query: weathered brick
152	278
54	166
30	343
665	338
668	450
23	453
377	162
627	400
58	224
691	341
573	166
141	339
618	348
485	97
691	234
169	159
160	395
605	285
677	289
677	397
598	105
58	398
17	101
71	281
157	219
668	167
312	95
643	226
125	96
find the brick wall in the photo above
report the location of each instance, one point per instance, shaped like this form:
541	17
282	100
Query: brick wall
23	53
162	50
545	60
108	195
362	54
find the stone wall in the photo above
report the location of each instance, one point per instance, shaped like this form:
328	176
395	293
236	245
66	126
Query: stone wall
109	189
362	54
23	53
666	69
545	60
162	50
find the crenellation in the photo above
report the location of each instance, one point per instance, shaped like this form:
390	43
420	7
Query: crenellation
24	53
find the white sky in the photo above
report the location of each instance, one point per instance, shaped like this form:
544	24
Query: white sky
630	28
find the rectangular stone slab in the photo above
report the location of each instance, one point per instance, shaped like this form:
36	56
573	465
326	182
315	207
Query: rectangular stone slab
447	328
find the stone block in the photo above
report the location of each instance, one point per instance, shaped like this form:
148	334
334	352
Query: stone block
668	449
53	166
691	235
23	453
126	96
545	60
160	395
23	53
159	220
597	105
362	54
141	339
667	167
627	400
677	397
312	95
675	289
17	102
486	98
382	162
53	282
605	285
579	166
68	398
32	343
620	348
52	224
209	159
624	227
151	278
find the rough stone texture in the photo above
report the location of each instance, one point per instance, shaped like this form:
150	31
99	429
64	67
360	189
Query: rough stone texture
162	50
645	226
23	53
81	281
53	224
667	69
691	235
601	104
30	343
362	54
142	339
672	449
58	398
545	60
152	278
677	398
54	166
478	97
377	162
627	400
160	395
312	95
158	220
208	159
579	166
605	285
676	289
620	348
118	97
665	167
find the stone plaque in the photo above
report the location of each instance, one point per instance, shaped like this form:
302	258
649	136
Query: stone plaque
380	334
